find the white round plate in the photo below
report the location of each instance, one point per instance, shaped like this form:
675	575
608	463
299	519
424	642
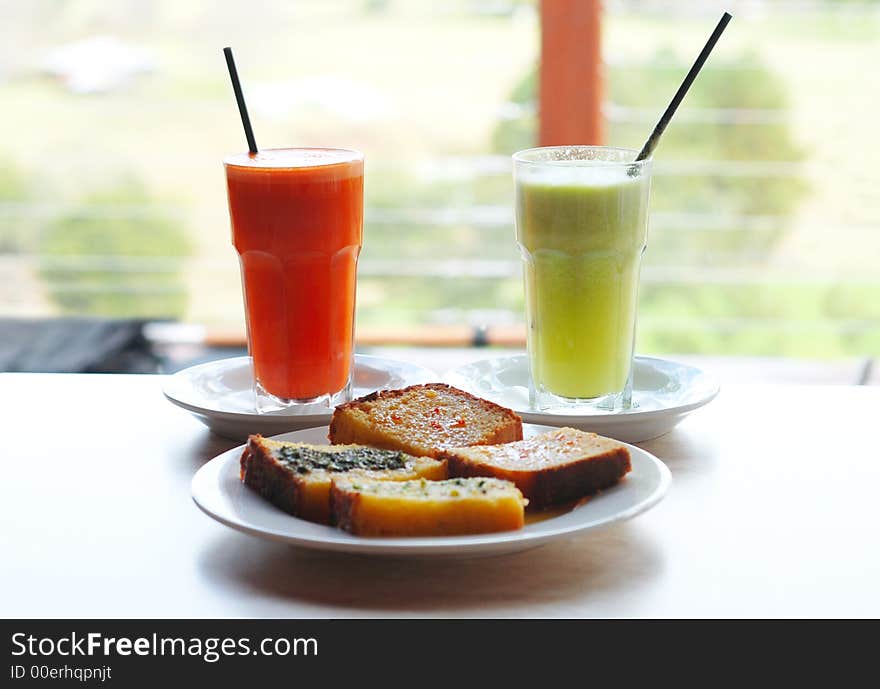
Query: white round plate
664	392
219	493
220	394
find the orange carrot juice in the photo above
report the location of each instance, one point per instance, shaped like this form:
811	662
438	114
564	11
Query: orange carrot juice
297	225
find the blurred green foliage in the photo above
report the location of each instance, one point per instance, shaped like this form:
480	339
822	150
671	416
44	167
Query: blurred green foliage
742	84
15	229
127	255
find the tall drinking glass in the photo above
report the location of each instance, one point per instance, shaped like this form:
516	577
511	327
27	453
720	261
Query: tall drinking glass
581	226
297	225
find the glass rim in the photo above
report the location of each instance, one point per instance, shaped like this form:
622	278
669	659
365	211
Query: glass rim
521	157
241	159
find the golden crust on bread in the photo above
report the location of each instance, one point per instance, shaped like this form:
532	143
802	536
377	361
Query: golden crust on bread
423	420
557	466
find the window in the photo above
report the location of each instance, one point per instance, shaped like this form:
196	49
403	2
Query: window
764	235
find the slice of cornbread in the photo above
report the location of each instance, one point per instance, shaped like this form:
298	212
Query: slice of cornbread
554	467
296	476
426	508
423	420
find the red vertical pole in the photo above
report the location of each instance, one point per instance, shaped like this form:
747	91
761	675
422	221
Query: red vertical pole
570	76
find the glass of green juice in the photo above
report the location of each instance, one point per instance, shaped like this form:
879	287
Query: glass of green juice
581	227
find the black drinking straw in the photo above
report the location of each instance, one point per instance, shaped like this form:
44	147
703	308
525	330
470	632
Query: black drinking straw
239	97
651	143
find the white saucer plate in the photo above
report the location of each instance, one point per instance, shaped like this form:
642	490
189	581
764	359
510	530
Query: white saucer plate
664	392
219	493
220	394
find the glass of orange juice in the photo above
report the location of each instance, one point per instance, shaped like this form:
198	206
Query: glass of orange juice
297	225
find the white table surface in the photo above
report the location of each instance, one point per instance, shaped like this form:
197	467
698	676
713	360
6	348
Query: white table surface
774	511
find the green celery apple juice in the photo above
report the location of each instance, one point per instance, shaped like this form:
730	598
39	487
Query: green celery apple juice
582	229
